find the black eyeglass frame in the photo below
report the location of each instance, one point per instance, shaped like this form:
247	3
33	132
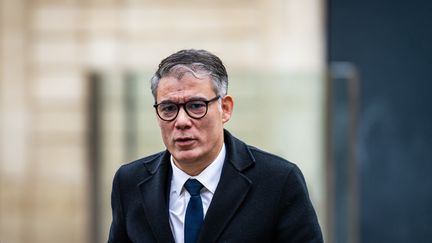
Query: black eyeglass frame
178	105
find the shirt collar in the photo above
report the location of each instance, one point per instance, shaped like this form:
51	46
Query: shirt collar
209	177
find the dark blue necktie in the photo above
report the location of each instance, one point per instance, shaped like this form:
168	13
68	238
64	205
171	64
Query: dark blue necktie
194	212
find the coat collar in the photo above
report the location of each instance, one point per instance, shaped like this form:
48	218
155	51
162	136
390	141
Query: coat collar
238	153
229	195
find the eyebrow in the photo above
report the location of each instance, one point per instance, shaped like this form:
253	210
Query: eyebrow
193	98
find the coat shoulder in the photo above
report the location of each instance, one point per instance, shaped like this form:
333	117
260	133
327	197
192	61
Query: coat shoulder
135	170
271	160
268	165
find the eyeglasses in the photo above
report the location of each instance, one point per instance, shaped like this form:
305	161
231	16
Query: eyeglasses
196	109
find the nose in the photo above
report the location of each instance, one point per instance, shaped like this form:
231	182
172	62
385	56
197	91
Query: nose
182	121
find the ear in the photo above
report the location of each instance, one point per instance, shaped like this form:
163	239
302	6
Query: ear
227	108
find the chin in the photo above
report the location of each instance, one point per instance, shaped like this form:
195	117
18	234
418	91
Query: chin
186	156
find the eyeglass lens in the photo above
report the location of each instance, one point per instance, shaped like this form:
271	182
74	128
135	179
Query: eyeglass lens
195	109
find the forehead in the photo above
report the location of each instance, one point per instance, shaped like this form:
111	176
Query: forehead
186	86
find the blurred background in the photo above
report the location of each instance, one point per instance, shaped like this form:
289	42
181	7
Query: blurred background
340	87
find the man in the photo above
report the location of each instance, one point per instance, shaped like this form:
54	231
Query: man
207	186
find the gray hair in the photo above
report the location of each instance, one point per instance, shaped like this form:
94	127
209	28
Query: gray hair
200	63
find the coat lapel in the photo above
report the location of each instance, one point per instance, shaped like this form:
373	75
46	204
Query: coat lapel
154	198
231	192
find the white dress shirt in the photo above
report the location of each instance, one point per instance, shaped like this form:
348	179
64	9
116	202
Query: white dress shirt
179	196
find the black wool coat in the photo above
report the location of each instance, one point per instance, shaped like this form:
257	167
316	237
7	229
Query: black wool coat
260	198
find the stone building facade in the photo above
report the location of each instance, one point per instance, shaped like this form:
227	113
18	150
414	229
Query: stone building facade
75	101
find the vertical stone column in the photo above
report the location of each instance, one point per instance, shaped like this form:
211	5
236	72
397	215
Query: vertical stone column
15	119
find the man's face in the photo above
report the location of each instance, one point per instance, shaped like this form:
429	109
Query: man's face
193	141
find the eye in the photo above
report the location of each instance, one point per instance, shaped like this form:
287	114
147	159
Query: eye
167	108
195	105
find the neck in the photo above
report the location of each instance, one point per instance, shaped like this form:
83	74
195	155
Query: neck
191	170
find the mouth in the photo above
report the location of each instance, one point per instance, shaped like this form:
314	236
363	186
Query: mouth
184	141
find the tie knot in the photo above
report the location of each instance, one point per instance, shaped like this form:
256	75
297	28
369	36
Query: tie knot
193	186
